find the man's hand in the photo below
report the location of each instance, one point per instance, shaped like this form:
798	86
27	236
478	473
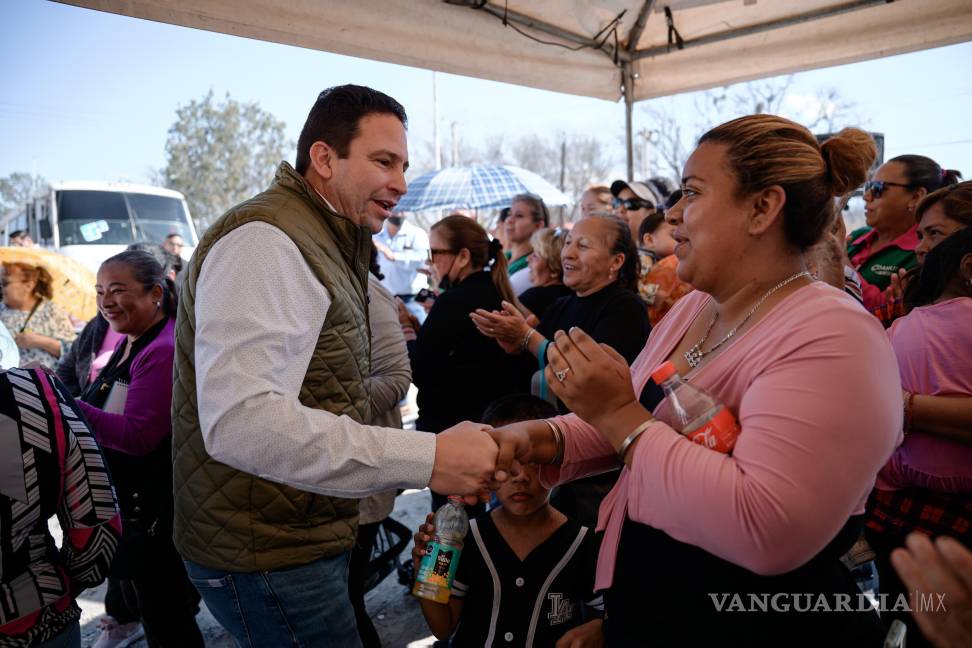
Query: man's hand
520	443
939	573
588	635
385	250
465	460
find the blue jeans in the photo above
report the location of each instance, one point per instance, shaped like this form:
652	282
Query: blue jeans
301	606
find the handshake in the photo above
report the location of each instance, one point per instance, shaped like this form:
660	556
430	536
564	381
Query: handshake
472	459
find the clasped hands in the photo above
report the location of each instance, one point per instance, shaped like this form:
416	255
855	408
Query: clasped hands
592	380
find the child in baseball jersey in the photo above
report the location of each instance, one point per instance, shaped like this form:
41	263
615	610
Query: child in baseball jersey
526	573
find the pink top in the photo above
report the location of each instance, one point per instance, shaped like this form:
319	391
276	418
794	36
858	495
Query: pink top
104	353
934	348
815	387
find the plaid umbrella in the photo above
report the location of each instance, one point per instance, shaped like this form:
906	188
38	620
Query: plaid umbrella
478	186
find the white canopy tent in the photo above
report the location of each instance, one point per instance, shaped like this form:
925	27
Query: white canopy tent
610	49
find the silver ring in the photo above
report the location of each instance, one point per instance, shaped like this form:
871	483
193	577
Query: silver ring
562	374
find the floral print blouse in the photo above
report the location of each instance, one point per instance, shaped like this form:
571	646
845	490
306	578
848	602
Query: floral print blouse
49	319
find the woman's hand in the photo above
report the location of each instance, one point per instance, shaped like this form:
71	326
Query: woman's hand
592	379
519	443
895	291
508	327
422	538
30	340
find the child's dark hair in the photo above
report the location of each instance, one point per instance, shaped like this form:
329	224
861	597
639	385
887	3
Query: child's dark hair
941	264
514	408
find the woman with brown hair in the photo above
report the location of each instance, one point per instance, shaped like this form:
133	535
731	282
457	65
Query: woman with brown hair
40	327
740	549
459	372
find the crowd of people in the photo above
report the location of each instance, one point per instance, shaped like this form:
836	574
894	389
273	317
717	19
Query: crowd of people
230	432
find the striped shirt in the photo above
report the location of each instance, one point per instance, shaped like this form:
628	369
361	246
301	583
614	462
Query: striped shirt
50	465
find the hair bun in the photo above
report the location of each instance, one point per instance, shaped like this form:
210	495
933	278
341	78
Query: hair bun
848	156
950	177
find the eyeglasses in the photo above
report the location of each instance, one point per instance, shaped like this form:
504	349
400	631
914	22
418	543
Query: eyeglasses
876	187
632	204
433	252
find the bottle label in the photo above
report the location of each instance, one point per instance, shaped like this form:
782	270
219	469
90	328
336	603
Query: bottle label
438	568
719	433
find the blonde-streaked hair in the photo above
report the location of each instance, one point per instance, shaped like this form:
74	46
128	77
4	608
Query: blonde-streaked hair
767	150
548	243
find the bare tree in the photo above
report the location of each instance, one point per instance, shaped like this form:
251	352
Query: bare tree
674	133
17	188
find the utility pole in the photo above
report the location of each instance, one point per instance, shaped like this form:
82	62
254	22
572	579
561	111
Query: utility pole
455	145
435	125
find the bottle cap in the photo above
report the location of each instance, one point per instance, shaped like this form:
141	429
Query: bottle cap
456	499
663	372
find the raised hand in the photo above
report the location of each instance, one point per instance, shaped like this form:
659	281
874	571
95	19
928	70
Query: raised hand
592	379
465	460
941	574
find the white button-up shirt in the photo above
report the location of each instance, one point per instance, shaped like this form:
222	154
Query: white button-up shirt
411	248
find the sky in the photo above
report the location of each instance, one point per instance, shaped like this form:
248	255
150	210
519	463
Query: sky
86	95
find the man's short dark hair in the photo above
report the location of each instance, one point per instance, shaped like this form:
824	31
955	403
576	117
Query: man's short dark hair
335	117
173	234
513	408
18	234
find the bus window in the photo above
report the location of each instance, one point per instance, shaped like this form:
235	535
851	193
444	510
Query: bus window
93	217
156	217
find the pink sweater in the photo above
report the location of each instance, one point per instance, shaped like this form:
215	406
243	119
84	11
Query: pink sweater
815	387
934	349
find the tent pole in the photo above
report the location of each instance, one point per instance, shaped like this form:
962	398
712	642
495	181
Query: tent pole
628	80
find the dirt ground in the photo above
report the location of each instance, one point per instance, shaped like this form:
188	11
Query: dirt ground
395	613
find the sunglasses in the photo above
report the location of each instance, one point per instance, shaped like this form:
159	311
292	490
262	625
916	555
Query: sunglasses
877	187
433	252
632	204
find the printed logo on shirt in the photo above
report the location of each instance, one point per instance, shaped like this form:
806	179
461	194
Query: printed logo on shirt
561	609
885	270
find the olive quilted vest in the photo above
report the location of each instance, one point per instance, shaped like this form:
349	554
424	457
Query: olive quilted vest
231	520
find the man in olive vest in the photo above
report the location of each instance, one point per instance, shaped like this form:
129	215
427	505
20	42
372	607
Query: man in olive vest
271	446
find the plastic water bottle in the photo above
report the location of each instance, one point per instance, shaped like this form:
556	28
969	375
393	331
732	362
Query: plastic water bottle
438	566
695	413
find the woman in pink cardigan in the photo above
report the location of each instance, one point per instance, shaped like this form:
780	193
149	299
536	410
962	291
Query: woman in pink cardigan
697	543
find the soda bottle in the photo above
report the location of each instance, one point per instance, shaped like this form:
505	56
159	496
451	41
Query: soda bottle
695	413
438	566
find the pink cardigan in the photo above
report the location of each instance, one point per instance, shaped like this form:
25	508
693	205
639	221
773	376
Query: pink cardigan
815	387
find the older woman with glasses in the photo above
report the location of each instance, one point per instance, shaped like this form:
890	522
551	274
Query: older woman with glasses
41	328
887	245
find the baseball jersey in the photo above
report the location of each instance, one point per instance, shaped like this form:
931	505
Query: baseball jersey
533	602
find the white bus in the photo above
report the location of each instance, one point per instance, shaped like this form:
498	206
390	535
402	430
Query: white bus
92	221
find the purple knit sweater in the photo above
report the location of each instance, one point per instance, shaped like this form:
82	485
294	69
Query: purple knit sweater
146	421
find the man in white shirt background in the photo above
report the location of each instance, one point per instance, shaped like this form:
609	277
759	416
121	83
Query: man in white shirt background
271	438
403	248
